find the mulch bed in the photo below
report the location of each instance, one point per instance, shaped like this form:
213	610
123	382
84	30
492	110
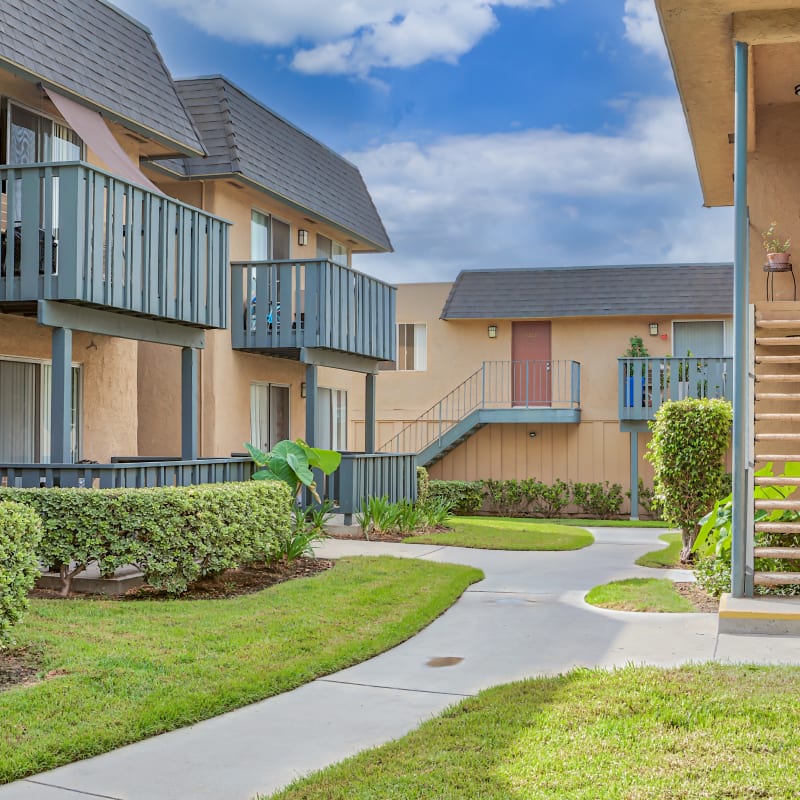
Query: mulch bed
701	599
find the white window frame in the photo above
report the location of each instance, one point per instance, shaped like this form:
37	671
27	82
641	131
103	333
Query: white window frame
39	113
420	353
268	385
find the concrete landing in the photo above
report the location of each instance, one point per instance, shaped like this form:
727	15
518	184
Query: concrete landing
759	615
90	582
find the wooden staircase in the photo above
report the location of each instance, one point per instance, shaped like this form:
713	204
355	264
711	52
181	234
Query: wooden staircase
777	425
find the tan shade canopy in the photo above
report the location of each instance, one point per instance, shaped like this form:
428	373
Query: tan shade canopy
92	128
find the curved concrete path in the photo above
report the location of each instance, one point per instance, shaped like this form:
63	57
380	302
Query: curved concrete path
526	618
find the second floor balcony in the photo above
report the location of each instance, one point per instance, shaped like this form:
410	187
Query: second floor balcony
74	233
645	383
282	307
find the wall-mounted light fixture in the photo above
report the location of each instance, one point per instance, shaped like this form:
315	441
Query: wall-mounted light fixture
302	237
302	389
654	329
532	434
492	331
797	90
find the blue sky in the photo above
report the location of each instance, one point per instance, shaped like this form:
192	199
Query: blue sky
491	133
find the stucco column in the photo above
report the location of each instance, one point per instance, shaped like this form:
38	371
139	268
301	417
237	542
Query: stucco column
369	412
189	394
61	397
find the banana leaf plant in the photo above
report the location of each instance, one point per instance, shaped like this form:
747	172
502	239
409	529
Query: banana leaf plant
292	463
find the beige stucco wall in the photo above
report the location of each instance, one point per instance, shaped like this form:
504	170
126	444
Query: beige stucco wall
109	382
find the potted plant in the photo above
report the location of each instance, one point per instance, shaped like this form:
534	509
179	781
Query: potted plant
636	349
776	247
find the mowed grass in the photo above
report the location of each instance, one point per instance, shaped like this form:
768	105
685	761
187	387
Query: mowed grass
122	671
731	733
640	594
610	523
669	556
506	533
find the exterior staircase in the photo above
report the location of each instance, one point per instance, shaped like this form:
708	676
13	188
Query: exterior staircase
776	396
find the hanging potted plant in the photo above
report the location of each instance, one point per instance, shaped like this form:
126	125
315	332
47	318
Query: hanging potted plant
776	247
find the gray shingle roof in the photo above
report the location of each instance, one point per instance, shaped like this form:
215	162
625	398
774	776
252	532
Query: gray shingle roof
96	51
591	291
241	136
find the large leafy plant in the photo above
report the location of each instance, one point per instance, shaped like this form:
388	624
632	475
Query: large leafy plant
293	463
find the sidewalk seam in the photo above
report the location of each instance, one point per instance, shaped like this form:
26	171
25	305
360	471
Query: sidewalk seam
394	688
74	791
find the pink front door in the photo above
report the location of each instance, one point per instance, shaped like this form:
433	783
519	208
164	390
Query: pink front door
530	369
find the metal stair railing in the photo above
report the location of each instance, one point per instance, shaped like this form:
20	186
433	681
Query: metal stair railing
497	384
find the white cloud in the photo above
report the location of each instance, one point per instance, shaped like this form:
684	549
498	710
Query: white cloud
543	197
351	37
642	27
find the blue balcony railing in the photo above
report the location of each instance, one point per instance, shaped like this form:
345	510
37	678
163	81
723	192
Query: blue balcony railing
75	233
645	383
288	305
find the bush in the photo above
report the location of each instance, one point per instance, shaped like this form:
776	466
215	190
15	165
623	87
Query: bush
464	497
598	500
647	500
20	532
423	485
504	497
543	500
687	449
173	534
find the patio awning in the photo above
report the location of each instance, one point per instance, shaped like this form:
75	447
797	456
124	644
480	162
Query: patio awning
94	131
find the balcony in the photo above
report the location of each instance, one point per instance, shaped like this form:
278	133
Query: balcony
74	233
284	307
645	383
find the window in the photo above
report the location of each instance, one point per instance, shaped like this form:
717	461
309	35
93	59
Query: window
25	392
269	238
331	419
331	250
412	347
33	138
269	414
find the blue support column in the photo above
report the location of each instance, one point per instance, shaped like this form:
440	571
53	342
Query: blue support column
61	397
370	413
634	475
189	394
742	583
311	404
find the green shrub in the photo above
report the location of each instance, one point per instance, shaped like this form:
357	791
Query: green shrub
647	500
423	485
20	532
465	497
598	500
173	534
543	500
690	438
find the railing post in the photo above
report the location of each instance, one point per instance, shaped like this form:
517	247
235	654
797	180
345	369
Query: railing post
483	385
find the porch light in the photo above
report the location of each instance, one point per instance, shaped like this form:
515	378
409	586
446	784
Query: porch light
492	331
302	390
797	90
654	329
532	434
302	237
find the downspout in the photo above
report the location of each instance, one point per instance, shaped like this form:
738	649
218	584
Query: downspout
741	583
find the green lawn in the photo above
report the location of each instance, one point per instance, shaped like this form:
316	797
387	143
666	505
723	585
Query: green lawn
669	556
122	671
730	733
506	533
640	594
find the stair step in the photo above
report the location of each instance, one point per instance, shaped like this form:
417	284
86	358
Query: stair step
778	437
785	378
775	578
766	480
777	396
789	553
762	458
778	417
778	505
778	341
778	323
778	527
782	359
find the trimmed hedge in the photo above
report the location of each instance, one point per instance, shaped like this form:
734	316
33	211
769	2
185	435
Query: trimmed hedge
20	533
464	497
173	534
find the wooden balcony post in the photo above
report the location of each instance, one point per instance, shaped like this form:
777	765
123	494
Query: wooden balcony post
311	404
369	415
61	397
189	392
634	475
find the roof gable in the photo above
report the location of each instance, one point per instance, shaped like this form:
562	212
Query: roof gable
98	53
629	290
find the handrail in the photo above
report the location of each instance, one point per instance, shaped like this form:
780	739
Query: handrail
497	384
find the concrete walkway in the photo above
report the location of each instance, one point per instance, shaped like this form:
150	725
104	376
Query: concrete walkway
526	618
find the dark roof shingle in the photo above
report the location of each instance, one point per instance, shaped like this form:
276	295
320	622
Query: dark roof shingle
591	291
101	54
242	136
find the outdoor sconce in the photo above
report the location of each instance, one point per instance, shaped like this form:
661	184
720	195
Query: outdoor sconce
797	90
532	434
654	329
493	331
302	237
302	390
